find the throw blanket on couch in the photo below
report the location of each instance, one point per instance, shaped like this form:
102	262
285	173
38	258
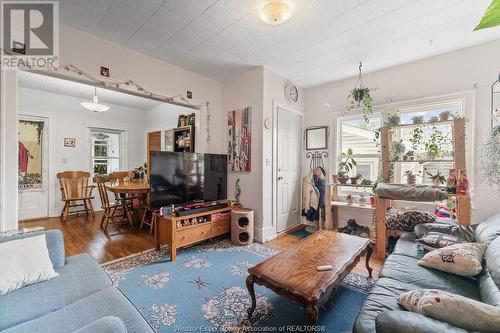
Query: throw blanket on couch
410	193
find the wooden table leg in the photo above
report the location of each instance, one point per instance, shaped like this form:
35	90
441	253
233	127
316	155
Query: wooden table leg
312	314
369	251
251	291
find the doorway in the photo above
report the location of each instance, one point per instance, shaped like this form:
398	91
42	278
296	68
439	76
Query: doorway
288	167
33	148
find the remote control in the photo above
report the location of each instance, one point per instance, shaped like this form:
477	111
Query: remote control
324	268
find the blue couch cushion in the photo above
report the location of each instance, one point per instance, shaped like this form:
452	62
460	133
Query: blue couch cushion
81	277
107	302
104	325
55	244
488	230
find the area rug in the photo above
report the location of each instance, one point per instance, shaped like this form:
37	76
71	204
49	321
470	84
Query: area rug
302	233
204	291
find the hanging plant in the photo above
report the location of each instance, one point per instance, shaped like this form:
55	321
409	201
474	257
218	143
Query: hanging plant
489	159
361	98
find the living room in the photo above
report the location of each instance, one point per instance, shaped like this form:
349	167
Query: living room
290	124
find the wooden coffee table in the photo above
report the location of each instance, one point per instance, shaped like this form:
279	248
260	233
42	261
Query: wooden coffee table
293	274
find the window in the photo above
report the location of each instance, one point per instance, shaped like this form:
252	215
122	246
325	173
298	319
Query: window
105	151
415	138
356	134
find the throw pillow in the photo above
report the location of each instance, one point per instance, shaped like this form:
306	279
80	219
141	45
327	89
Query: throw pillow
24	261
436	240
454	309
460	259
406	220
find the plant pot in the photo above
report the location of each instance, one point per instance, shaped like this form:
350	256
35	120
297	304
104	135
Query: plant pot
405	157
373	201
436	182
394	120
444	116
412	158
354	180
411	179
429	156
343	180
335	179
433	119
359	94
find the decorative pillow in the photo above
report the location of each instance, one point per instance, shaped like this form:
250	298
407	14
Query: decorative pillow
436	240
406	220
24	261
461	259
454	309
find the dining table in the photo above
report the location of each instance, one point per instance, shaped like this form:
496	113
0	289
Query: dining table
137	191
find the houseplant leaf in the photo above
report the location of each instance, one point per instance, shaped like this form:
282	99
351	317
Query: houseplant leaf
492	16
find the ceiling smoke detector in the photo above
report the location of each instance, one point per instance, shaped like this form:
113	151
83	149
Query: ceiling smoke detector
275	12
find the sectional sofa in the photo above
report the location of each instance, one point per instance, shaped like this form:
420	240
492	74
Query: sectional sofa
81	299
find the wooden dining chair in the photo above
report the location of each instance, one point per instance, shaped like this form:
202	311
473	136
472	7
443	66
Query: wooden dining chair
121	177
113	211
75	192
126	202
148	216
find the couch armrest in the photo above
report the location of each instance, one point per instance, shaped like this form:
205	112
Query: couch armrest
55	244
104	325
465	232
411	322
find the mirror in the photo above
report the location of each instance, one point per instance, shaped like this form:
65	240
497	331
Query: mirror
317	138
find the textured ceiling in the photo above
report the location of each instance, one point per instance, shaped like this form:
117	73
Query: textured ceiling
323	41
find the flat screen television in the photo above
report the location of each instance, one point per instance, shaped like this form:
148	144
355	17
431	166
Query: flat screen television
184	178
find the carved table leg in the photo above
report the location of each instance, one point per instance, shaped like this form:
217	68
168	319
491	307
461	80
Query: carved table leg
369	251
251	291
312	314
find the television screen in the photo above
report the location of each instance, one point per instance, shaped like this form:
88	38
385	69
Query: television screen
185	178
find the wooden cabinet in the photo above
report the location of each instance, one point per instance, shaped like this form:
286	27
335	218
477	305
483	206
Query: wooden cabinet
167	231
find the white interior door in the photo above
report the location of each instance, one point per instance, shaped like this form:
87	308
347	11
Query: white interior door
33	197
289	168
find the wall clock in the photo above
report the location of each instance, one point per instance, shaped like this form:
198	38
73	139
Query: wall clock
291	93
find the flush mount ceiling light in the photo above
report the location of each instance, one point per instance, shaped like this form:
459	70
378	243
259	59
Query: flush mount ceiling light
95	106
275	12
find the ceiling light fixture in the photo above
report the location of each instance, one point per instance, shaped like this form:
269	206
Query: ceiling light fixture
275	12
95	106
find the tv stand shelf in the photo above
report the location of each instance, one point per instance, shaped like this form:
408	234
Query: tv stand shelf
167	233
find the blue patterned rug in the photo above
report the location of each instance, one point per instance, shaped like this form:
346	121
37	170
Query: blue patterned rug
204	291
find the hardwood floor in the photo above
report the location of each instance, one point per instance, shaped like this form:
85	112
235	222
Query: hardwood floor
83	234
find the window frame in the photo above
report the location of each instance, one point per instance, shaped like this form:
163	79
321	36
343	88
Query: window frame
122	146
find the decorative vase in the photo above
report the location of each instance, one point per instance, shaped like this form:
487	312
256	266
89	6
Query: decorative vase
444	116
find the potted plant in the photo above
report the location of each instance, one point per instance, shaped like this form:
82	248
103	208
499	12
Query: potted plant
361	98
411	178
416	138
366	182
409	156
433	119
418	119
438	179
444	116
347	163
393	119
397	150
354	180
431	151
141	171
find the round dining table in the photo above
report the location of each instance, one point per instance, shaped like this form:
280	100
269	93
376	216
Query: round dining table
129	188
135	190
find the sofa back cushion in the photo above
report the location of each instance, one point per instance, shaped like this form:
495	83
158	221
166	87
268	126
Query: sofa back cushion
55	245
489	279
488	230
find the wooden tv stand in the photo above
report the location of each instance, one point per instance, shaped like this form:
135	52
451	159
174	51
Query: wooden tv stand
167	232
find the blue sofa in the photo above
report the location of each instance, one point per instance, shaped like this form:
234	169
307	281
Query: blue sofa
81	299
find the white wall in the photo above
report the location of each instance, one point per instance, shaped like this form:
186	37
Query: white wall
448	73
261	89
89	53
68	119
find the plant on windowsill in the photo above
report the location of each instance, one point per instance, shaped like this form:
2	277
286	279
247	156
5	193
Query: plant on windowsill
437	179
361	98
411	178
397	150
393	119
347	163
409	156
354	180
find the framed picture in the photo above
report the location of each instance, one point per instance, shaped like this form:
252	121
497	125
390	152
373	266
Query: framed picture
69	142
317	138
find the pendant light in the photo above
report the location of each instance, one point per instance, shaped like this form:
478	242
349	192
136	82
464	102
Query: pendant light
94	105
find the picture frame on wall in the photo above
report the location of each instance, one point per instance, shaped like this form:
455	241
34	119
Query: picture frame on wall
70	142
